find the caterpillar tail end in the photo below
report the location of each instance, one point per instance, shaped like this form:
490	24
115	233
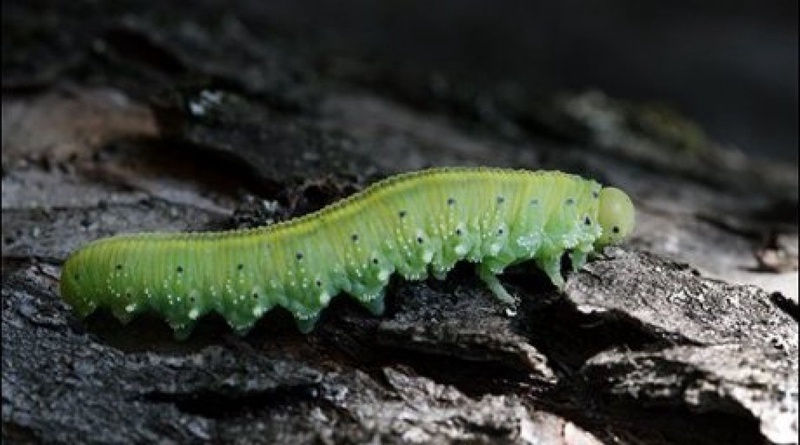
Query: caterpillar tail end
81	309
70	289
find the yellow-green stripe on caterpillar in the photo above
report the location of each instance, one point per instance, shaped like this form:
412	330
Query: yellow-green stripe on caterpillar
411	224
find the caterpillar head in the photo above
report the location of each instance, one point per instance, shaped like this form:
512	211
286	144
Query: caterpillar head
615	214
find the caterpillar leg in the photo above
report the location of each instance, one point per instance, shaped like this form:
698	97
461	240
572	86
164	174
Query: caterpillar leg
124	316
242	331
375	305
439	274
182	331
551	265
494	285
306	324
578	259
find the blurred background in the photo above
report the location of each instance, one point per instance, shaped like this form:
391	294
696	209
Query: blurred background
730	66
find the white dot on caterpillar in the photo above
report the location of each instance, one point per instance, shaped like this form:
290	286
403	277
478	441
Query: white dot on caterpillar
194	313
130	307
324	298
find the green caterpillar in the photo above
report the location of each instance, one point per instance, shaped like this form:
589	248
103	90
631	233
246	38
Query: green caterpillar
411	224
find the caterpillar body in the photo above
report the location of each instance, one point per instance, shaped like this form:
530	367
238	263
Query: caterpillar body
412	224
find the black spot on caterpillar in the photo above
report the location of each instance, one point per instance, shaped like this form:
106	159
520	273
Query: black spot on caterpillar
410	224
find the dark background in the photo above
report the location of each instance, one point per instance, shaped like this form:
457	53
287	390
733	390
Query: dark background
730	66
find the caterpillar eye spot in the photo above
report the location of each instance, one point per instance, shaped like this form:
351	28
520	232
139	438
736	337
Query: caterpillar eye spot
375	261
192	299
458	232
299	256
615	229
420	240
318	283
595	194
451	201
240	266
401	214
255	296
179	269
354	237
501	199
500	231
587	221
570	201
534	202
119	266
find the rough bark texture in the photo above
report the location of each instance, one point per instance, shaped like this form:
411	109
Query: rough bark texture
132	119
